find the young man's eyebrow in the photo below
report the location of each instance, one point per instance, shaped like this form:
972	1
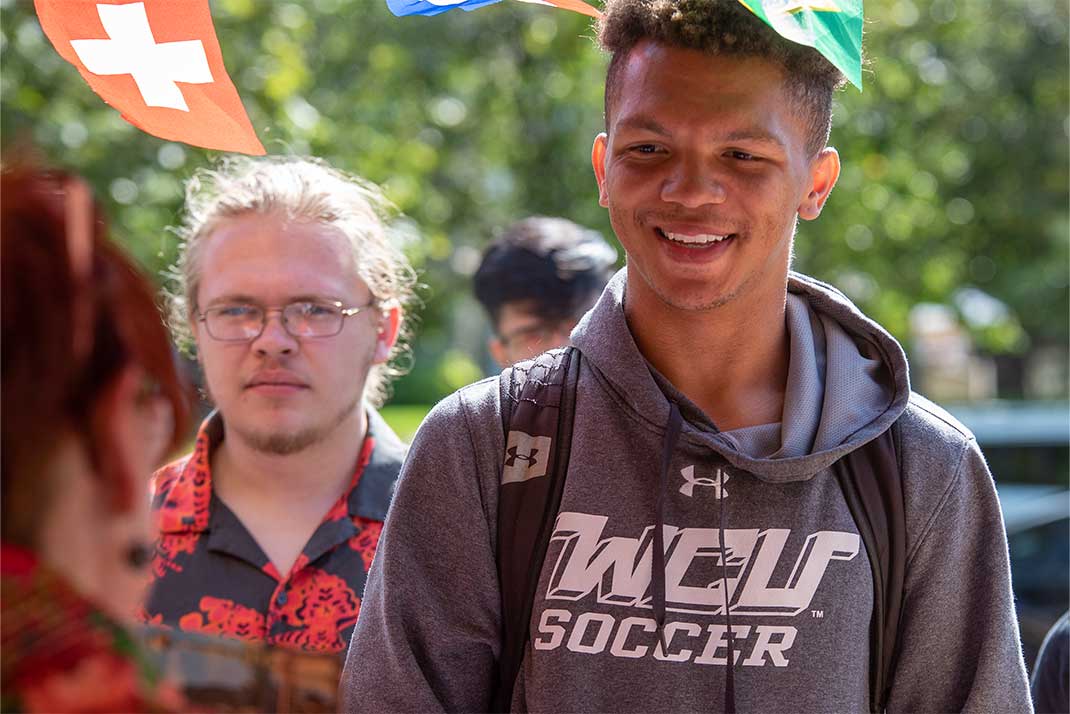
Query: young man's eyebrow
231	298
755	135
243	298
642	123
309	297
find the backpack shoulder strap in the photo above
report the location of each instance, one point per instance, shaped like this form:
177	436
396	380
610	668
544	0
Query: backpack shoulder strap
538	404
872	483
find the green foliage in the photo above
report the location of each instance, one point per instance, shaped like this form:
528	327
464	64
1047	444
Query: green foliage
955	155
955	168
405	419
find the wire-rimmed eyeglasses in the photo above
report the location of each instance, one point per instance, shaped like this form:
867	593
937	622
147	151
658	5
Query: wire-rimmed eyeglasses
242	322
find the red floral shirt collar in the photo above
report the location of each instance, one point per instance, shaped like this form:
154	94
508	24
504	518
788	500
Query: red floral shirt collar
209	571
183	489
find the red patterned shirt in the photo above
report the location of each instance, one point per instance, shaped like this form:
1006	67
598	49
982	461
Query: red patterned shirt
61	653
211	576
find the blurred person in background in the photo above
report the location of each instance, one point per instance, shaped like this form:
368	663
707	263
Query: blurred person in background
292	289
91	404
535	282
1050	685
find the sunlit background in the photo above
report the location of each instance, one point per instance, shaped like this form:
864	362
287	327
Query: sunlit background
949	225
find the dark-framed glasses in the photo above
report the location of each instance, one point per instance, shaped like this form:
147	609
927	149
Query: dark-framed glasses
242	322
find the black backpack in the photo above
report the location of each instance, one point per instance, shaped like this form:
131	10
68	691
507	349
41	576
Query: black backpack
538	400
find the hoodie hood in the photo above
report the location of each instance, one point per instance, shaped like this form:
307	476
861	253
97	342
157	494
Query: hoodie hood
847	383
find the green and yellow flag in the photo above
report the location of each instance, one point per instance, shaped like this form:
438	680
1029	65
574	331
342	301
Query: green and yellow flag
832	27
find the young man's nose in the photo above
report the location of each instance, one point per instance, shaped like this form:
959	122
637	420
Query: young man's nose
274	339
692	182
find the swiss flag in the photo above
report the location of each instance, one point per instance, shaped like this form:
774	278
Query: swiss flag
158	62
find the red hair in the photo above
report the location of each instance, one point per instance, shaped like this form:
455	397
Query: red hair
75	312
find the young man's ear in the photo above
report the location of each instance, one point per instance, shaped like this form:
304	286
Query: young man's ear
387	335
195	335
598	162
824	170
497	351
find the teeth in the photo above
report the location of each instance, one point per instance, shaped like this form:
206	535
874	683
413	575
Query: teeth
701	239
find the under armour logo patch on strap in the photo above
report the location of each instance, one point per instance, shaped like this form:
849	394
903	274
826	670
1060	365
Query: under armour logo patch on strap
525	457
512	456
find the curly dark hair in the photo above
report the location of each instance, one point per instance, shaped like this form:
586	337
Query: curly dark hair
720	27
555	266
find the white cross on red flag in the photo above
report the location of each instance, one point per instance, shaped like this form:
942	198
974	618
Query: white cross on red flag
158	62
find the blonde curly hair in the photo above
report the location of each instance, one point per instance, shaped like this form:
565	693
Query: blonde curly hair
302	188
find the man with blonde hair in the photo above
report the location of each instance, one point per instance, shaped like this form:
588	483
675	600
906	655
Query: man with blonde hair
292	291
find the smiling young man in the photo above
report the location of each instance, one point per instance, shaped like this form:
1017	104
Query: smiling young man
293	293
706	553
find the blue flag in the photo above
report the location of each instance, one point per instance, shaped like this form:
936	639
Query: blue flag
401	8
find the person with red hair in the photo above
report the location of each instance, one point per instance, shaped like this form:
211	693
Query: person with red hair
92	402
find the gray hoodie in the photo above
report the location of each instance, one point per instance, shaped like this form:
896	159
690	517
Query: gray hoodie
797	575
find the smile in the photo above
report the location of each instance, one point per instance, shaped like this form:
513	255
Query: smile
694	240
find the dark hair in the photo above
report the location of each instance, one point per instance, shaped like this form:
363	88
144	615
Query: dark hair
553	264
75	312
720	27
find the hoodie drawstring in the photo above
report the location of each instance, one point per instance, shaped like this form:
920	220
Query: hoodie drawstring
657	565
729	682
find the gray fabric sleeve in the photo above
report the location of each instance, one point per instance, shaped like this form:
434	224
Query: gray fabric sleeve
958	646
427	638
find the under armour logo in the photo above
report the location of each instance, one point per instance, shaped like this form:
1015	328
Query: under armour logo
717	482
525	457
512	456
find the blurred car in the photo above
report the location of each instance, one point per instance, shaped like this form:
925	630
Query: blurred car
1038	533
1027	445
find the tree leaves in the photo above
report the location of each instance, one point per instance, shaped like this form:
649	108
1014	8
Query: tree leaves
955	156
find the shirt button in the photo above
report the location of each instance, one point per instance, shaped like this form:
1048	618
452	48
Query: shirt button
281	599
